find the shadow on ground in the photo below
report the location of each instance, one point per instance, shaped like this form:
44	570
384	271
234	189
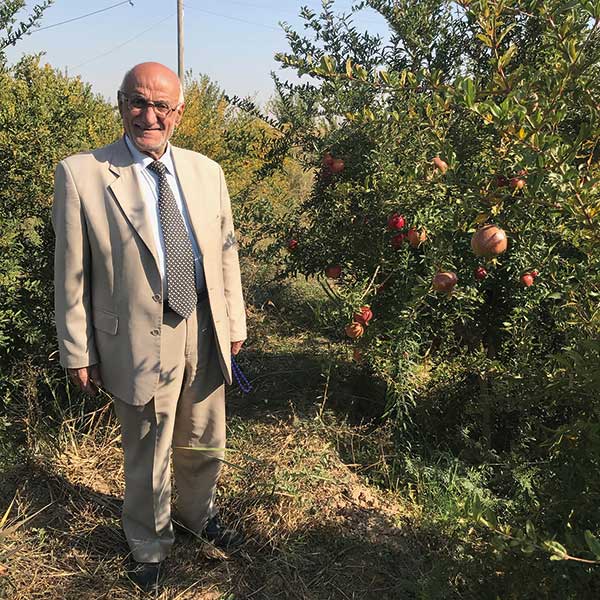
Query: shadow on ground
74	549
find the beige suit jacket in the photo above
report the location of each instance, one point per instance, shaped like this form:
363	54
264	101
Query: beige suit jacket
108	287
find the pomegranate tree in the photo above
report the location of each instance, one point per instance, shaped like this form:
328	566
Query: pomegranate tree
470	163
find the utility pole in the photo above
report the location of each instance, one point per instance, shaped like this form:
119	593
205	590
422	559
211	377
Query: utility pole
180	70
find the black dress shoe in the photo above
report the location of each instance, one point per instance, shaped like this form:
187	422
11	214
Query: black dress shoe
145	575
221	536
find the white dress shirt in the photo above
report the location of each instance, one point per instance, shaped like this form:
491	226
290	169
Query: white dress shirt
148	182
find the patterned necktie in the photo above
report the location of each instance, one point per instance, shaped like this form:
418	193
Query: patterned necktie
181	279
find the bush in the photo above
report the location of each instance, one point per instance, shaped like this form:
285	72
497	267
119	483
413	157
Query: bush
481	112
44	116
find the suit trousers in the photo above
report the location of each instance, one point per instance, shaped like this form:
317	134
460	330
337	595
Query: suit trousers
185	416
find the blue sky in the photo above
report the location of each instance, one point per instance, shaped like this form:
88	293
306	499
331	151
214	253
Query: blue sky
232	41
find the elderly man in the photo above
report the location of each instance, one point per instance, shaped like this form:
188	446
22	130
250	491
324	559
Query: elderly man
149	306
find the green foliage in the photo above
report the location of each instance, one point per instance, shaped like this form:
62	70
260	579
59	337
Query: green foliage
44	117
507	93
213	126
12	33
261	182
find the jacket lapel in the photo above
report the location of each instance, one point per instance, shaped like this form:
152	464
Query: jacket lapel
192	189
127	193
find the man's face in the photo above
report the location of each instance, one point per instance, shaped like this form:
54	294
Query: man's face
149	131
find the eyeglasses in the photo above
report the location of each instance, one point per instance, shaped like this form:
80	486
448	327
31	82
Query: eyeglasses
138	104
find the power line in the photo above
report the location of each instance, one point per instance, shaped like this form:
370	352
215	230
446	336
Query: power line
215	14
356	15
141	33
270	8
262	7
82	16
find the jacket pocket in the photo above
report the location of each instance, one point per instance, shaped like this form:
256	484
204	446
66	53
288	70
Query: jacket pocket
105	321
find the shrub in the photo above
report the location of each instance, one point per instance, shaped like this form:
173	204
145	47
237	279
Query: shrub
481	112
44	116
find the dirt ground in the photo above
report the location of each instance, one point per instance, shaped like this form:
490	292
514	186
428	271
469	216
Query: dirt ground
315	528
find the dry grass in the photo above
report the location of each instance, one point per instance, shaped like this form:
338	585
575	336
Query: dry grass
315	528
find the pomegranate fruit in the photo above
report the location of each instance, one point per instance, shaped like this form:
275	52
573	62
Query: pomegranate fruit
527	279
501	181
480	273
327	160
396	221
337	165
292	244
364	316
416	238
517	183
440	164
397	241
489	241
444	281
333	271
354	330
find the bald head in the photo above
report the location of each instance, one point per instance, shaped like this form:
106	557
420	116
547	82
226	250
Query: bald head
153	72
151	106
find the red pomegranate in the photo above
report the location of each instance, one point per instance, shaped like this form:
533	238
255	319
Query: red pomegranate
327	160
364	316
489	241
333	271
501	181
416	238
444	281
292	244
337	165
527	279
517	183
396	221
397	241
480	273
440	164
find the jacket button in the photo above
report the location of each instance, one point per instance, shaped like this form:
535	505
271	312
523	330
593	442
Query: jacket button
156	298
155	332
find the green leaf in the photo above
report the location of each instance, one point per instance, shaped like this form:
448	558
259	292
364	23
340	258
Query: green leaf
498	543
530	530
592	542
495	110
527	548
572	50
559	552
505	33
477	508
485	39
470	92
327	64
361	72
507	56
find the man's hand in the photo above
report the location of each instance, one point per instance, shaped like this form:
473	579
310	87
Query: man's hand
236	347
87	379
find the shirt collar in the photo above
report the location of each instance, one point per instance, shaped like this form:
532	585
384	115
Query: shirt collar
143	160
